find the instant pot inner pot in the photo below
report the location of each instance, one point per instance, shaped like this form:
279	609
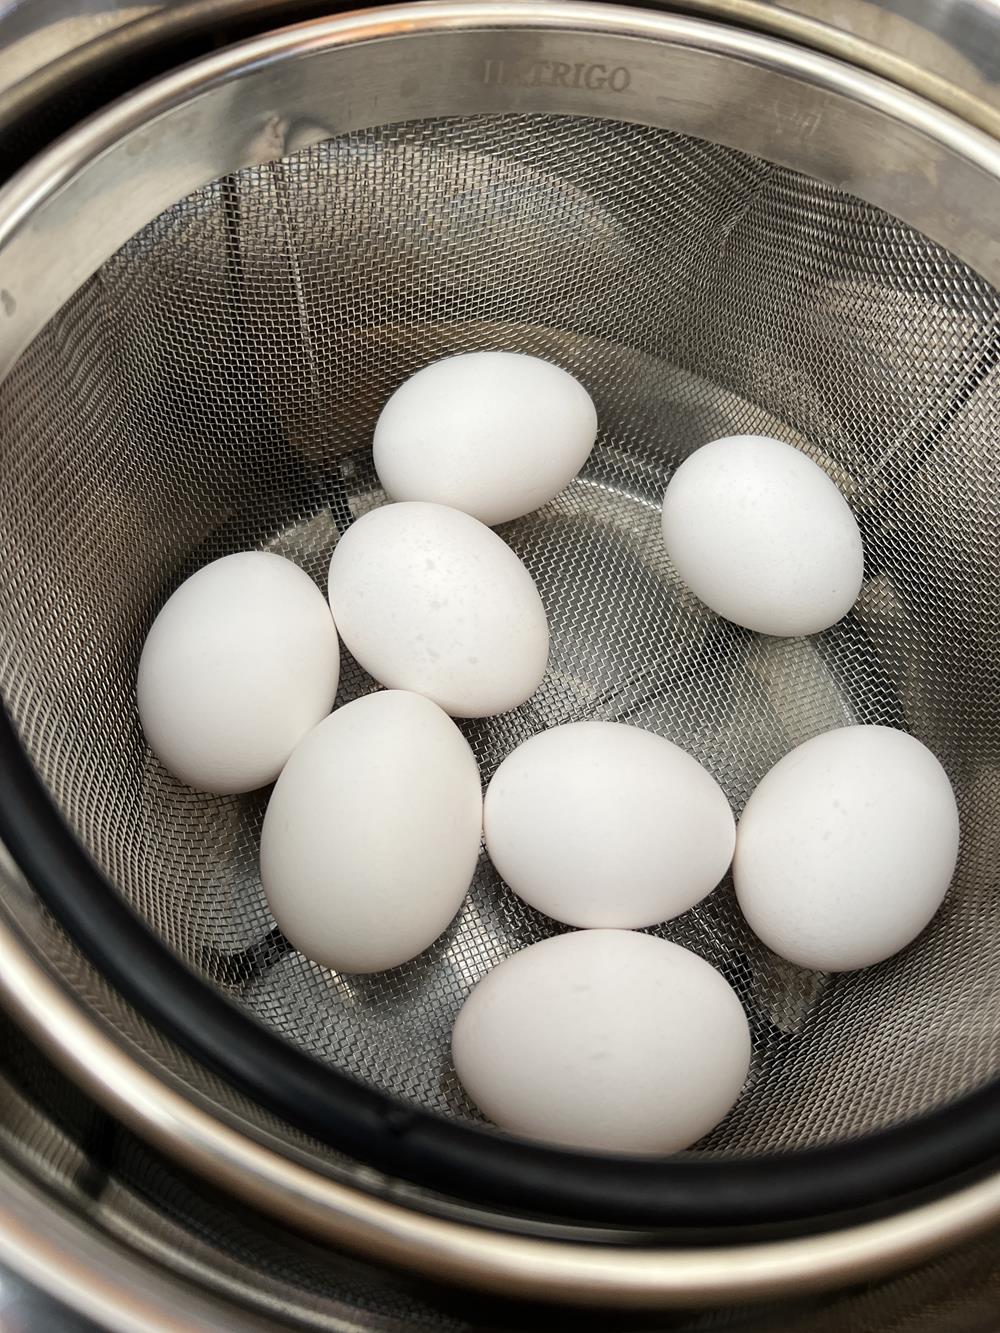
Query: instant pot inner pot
214	387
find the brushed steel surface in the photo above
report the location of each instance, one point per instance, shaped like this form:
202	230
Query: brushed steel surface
944	51
243	107
36	33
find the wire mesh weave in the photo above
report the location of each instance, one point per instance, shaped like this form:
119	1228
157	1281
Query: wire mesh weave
214	387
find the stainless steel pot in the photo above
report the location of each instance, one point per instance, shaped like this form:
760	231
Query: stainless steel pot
125	1238
594	141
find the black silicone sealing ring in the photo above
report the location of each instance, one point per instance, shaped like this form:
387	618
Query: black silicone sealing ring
481	1168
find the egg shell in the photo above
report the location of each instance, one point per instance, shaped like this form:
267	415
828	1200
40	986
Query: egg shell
763	536
606	1040
429	599
495	434
240	663
601	824
846	848
372	833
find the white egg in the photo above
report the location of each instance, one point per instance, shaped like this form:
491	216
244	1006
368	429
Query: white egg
846	848
240	663
604	1039
372	833
428	599
601	824
763	536
493	433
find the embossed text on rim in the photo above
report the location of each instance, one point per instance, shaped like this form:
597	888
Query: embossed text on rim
592	75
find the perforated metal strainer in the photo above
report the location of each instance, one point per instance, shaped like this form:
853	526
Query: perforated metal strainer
209	292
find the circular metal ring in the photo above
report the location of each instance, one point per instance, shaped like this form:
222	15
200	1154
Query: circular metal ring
451	1251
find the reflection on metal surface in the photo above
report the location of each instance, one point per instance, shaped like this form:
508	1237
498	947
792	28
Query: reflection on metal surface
119	1189
25	1308
35	33
103	183
472	1256
955	39
57	1254
944	51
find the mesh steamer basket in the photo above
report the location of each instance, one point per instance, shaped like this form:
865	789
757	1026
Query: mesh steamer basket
206	293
